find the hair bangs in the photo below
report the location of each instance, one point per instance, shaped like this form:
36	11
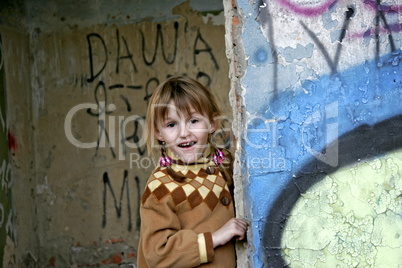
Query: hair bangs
186	102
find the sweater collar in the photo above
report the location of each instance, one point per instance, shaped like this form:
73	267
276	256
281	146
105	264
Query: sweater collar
203	162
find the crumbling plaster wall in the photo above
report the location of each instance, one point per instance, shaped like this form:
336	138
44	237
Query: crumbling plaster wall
319	93
86	71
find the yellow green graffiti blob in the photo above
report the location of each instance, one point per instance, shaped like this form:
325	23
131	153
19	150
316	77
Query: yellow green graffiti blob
351	218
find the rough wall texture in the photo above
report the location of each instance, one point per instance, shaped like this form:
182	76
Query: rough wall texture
316	93
76	112
322	146
6	198
18	178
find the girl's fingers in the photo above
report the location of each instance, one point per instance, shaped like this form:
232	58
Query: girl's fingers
241	228
240	238
242	223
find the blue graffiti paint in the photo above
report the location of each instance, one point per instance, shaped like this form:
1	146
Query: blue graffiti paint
261	55
297	122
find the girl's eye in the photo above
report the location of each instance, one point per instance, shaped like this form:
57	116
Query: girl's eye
193	121
171	125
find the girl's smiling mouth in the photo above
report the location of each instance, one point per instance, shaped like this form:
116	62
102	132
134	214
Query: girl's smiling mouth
187	144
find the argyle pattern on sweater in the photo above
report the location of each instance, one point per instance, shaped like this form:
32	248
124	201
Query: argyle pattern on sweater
198	187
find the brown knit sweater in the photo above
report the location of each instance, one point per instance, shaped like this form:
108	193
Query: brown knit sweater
178	218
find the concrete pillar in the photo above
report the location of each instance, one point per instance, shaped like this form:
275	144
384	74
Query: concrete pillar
316	90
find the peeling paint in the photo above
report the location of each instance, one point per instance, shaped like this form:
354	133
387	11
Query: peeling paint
350	218
216	18
297	53
331	83
45	189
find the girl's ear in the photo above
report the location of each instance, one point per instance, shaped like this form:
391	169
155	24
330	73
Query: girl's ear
158	135
213	125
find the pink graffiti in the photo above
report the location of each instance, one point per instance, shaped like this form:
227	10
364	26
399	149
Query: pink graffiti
306	11
371	31
318	10
322	8
374	6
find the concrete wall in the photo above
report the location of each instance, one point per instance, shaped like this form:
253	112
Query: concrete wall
316	93
19	224
78	80
319	90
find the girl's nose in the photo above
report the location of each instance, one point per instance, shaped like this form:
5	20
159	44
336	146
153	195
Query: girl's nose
184	130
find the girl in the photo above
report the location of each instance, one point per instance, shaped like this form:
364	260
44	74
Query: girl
187	215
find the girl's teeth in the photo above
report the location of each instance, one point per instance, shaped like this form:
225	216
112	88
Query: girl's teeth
187	144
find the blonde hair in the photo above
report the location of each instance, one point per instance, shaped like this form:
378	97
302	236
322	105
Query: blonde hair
186	94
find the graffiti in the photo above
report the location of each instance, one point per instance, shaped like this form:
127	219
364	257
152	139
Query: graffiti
349	143
376	5
362	143
312	11
125	190
331	63
159	36
99	58
128	56
106	182
315	9
265	19
5	175
123	71
135	137
7	144
137	184
126	102
78	80
99	91
148	95
91	64
207	49
337	199
380	16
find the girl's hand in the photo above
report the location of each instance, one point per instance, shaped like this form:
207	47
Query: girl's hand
233	228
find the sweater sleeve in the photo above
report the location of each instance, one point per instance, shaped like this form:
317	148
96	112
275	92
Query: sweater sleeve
165	244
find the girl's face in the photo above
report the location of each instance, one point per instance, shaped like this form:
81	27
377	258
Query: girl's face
185	136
